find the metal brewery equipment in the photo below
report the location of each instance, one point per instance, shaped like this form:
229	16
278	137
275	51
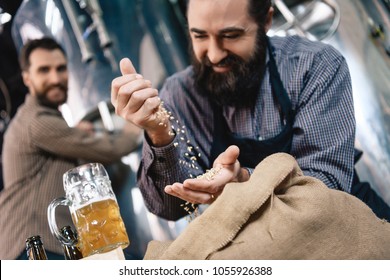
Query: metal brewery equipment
96	35
360	30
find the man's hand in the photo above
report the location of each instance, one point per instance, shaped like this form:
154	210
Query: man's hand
86	126
206	190
136	101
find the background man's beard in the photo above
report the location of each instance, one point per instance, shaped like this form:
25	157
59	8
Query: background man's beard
240	85
42	96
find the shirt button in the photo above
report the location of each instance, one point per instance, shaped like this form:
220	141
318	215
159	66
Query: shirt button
260	138
161	159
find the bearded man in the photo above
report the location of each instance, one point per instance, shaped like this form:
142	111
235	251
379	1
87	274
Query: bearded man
39	147
245	97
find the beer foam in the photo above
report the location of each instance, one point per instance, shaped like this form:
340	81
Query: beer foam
94	200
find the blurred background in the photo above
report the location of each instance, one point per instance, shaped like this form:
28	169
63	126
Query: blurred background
96	34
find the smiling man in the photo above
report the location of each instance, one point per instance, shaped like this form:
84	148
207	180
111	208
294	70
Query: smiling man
39	147
45	73
245	97
228	51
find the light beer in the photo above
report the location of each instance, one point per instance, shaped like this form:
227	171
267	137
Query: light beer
100	227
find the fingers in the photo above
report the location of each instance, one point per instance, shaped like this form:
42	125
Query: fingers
229	161
229	156
126	66
205	185
142	110
119	82
191	196
129	74
146	98
206	188
133	83
133	97
134	93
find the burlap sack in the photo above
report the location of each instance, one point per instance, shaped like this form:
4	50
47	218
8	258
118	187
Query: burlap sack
280	214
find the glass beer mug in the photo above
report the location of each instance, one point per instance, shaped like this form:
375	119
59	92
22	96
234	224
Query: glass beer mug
94	210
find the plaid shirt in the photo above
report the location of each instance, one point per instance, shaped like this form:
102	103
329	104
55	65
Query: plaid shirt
317	80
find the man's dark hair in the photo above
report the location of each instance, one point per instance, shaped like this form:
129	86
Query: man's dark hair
46	43
258	9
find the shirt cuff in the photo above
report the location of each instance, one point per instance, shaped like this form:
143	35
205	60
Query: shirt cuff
162	158
250	171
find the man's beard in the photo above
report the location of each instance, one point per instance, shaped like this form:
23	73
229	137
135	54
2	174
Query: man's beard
45	101
241	84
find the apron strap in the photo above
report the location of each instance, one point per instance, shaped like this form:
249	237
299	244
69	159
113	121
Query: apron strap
278	88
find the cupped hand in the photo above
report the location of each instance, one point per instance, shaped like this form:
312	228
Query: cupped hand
205	190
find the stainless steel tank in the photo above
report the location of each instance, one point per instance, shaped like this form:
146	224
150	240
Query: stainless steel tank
360	30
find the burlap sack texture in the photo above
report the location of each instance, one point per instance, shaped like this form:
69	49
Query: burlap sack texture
280	214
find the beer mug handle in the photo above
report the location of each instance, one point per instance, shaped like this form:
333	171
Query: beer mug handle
51	216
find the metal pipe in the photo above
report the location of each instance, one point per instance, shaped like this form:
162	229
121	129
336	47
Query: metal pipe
86	53
94	10
106	116
291	19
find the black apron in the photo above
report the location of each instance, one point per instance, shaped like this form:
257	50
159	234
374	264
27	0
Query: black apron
253	151
364	192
